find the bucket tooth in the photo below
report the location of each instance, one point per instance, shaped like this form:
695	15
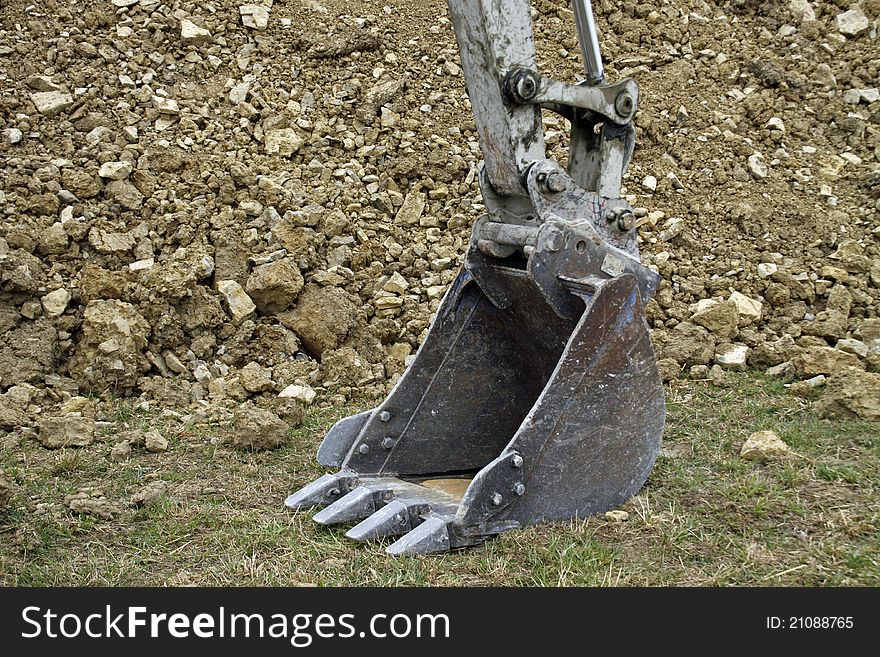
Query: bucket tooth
394	519
358	504
323	491
430	536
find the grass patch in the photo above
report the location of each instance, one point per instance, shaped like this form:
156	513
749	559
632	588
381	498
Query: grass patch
706	517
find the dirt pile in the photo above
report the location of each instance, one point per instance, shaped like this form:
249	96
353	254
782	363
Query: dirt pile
222	202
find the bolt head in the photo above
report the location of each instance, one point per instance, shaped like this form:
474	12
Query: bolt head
526	87
516	461
554	240
519	488
496	499
556	182
624	104
626	221
384	416
388	442
364	448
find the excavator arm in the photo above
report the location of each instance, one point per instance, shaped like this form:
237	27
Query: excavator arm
535	396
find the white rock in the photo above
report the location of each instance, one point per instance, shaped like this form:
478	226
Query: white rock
732	357
202	373
397	284
241	306
801	10
166	105
851	346
775	123
748	309
304	394
238	93
650	182
115	170
868	95
284	142
51	103
141	265
852	23
617	515
255	17
155	442
192	33
767	269
55	303
13	135
672	228
763	444
757	167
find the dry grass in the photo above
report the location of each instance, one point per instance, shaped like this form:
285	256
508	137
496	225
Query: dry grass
706	516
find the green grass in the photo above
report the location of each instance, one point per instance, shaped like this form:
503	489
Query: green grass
706	517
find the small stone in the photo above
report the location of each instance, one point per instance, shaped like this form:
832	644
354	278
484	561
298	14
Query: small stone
672	228
732	357
239	93
805	388
257	428
411	210
757	167
202	374
668	368
13	136
852	23
255	378
166	105
698	372
155	442
823	360
192	33
650	183
304	394
241	306
92	505
55	303
617	515
124	193
121	451
397	284
66	431
255	17
51	103
767	269
720	317
775	123
852	346
802	11
149	494
273	287
748	309
763	445
851	393
283	142
115	170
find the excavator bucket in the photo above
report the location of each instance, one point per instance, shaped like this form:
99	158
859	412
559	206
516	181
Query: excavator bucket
535	395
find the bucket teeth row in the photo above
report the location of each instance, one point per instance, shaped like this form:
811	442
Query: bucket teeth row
430	536
393	519
359	503
323	491
383	507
